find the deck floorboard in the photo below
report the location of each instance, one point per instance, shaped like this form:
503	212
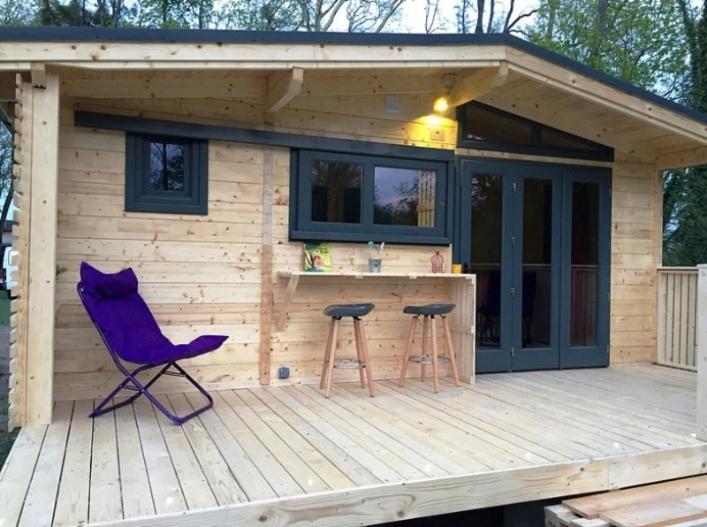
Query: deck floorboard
285	454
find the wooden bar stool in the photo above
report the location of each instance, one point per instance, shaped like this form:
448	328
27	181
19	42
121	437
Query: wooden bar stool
429	325
337	312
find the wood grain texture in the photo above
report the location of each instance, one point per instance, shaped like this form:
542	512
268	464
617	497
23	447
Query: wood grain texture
42	253
285	455
635	255
218	273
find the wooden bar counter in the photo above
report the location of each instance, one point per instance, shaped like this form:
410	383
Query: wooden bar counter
460	290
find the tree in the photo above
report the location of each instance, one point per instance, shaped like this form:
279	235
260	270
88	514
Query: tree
483	15
16	13
371	15
626	39
685	191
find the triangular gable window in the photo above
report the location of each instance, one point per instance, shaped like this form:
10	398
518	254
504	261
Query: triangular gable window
487	128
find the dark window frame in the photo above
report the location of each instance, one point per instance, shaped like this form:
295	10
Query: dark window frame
140	198
595	151
302	228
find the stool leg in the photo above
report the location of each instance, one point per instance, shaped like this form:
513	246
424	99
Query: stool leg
450	350
366	360
425	337
327	355
435	382
408	349
359	352
332	357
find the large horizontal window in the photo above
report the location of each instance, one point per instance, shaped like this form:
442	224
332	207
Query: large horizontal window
350	197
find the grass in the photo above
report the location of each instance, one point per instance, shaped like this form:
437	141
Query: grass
4	310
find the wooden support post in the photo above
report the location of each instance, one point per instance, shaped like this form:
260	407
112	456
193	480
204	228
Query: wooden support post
462	293
38	73
42	252
701	359
266	268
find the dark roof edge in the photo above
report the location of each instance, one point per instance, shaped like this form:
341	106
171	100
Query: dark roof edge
96	34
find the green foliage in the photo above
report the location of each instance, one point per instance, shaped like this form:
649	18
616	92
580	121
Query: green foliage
685	217
263	15
685	191
640	41
648	43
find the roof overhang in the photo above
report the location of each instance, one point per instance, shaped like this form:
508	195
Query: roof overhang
541	85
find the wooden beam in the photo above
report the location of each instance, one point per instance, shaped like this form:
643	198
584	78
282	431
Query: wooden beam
266	267
217	85
477	84
38	73
701	352
282	88
42	252
684	158
165	86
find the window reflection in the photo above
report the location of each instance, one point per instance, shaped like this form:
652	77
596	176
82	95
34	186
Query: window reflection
166	166
404	196
486	225
336	191
585	264
537	262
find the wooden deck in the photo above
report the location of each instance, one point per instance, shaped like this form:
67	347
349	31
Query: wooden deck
282	455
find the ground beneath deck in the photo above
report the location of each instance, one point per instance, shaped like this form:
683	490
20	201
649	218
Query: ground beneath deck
278	455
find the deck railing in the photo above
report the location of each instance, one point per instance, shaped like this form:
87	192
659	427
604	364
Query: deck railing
677	306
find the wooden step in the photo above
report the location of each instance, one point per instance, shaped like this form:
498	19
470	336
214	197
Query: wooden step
678	503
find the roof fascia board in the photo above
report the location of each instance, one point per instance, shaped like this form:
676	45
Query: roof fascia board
258	39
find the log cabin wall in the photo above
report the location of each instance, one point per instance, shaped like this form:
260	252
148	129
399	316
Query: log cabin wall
203	274
636	253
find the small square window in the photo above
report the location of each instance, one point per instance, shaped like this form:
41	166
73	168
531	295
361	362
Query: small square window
166	175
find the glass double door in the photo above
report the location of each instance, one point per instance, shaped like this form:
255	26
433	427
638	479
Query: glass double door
537	238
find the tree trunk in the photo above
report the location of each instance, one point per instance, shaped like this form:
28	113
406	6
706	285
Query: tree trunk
599	33
479	16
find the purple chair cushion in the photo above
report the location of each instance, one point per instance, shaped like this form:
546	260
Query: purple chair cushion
126	323
108	285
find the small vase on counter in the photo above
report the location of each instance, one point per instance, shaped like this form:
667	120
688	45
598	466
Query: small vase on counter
374	257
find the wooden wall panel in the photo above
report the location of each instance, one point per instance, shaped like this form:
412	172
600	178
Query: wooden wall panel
22	171
203	274
635	255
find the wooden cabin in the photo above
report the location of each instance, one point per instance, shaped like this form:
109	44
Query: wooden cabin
205	160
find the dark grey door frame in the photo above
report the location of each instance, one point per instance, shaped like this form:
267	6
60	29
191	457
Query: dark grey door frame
511	356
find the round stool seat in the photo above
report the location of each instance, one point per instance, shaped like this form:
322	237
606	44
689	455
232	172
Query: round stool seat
348	310
429	309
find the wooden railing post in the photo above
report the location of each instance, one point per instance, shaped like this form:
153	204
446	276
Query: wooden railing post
701	361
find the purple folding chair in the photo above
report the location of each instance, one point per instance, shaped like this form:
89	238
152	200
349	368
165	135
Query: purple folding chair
132	335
